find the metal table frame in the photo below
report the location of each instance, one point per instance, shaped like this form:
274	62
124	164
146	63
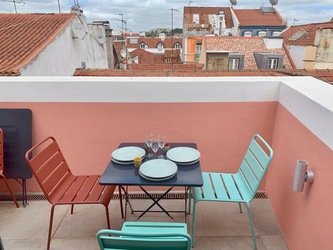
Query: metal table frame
127	175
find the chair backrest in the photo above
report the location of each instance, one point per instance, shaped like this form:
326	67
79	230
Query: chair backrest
255	164
113	239
1	152
50	168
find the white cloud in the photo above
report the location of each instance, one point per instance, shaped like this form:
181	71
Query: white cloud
143	15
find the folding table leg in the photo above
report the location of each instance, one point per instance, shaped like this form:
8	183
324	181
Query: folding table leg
126	201
156	203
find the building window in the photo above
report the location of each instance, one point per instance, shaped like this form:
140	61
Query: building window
178	45
262	33
197	51
142	45
233	63
273	63
168	60
276	33
160	46
248	33
134	40
196	18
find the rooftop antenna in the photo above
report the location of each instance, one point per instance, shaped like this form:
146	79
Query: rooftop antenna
233	2
14	2
59	6
273	2
189	2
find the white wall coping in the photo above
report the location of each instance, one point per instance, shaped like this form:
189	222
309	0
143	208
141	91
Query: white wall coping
308	99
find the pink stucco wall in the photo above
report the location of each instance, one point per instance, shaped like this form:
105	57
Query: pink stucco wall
89	132
306	218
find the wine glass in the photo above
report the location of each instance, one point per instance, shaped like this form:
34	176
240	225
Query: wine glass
161	144
155	146
149	142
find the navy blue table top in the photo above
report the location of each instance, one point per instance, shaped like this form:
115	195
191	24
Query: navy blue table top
128	175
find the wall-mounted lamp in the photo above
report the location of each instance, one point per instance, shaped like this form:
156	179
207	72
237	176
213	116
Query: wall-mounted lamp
301	175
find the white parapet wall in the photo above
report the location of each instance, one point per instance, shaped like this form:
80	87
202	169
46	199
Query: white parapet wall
308	99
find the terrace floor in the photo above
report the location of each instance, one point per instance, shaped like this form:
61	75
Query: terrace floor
219	225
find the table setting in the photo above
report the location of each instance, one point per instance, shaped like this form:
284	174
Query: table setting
152	166
172	165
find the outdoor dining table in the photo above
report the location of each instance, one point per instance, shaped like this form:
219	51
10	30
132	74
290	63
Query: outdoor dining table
125	175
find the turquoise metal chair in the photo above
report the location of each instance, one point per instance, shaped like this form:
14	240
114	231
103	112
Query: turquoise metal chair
146	235
239	187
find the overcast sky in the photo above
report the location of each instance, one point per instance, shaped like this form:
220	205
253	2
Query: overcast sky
143	15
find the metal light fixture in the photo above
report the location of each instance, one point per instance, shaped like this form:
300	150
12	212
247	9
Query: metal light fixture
302	175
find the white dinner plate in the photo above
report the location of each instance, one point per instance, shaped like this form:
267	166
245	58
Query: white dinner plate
124	162
187	163
183	155
158	168
127	154
156	179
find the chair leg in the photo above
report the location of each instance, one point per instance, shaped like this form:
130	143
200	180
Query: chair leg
194	210
189	199
240	207
251	226
50	228
72	208
107	216
10	191
121	202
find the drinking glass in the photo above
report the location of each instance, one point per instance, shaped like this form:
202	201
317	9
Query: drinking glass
149	142
154	146
161	144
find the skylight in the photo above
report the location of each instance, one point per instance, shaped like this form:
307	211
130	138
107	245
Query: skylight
298	35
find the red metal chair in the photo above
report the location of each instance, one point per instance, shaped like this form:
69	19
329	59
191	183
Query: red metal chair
2	168
58	183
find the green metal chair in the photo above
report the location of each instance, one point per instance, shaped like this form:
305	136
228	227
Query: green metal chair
146	235
239	187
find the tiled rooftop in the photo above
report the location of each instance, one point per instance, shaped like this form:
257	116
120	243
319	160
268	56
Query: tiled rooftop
255	17
146	57
23	36
150	70
245	46
152	42
304	35
26	228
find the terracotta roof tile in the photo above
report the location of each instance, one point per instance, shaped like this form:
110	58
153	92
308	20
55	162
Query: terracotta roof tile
304	34
185	70
146	57
245	46
255	17
152	42
23	36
